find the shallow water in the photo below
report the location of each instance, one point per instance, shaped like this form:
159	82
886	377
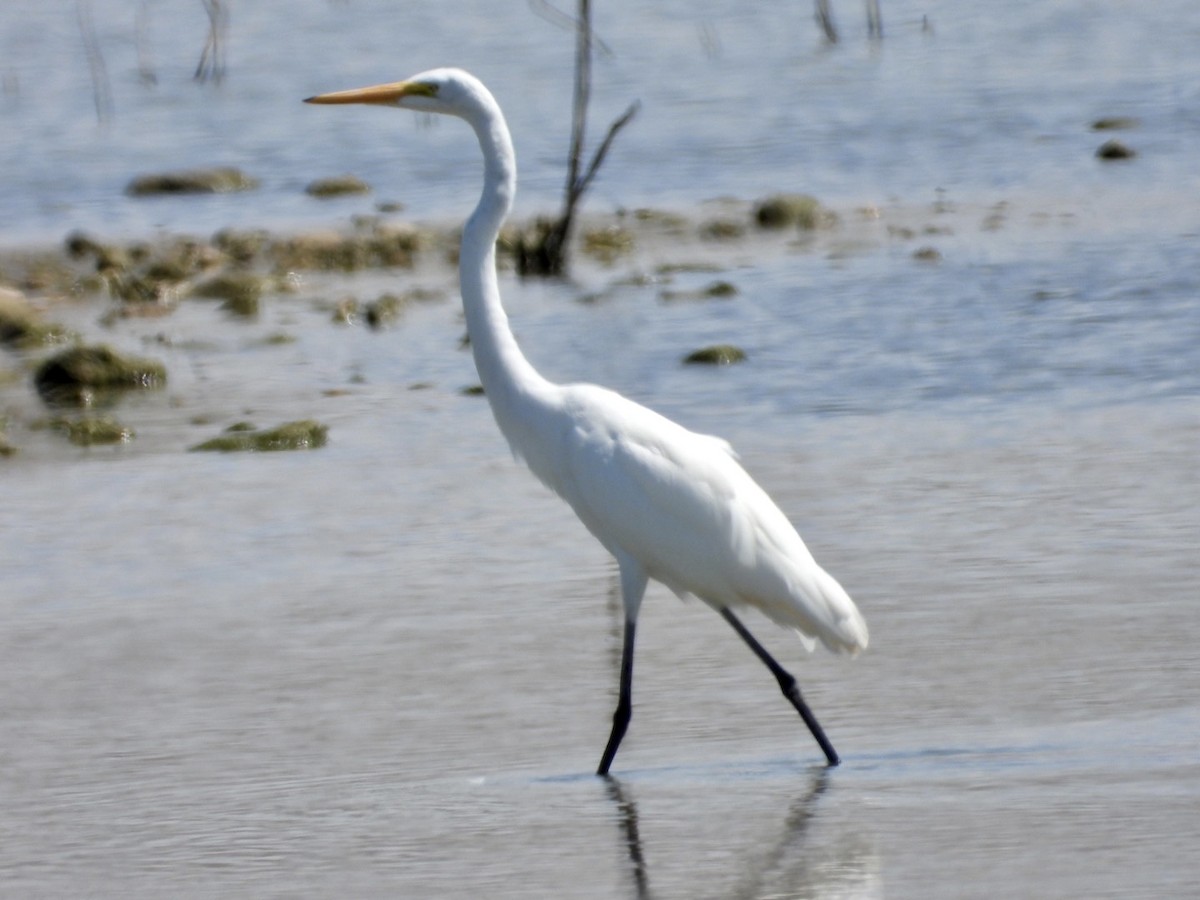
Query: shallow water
967	97
386	668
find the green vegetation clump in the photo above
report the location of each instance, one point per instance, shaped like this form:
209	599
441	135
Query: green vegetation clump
331	252
71	376
385	310
6	448
608	243
142	273
216	180
1115	123
305	434
716	355
722	230
670	222
240	247
535	248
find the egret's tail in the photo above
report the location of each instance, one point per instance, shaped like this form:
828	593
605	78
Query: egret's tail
844	628
819	609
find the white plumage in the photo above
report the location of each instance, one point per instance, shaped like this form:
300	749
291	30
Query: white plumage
669	504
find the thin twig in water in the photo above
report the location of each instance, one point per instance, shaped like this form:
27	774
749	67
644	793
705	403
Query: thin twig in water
824	17
556	16
583	92
825	20
212	58
142	26
874	20
545	252
602	150
101	89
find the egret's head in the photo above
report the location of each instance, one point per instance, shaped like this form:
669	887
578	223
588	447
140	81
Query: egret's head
447	91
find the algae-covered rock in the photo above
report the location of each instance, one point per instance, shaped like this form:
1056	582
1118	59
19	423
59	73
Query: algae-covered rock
786	210
71	376
339	186
305	434
716	355
22	327
231	286
239	291
216	180
94	430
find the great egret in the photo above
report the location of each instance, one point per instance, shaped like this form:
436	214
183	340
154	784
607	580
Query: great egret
668	503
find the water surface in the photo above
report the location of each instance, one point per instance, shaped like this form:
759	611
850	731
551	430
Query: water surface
387	668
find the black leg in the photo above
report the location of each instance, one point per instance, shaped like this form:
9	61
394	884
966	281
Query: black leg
787	684
624	703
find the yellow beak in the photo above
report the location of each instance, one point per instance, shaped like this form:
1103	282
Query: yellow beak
386	94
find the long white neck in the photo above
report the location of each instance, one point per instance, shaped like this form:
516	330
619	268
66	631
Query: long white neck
509	380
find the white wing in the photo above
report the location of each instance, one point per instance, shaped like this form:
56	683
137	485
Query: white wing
680	504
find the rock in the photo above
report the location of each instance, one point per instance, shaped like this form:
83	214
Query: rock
784	210
1115	150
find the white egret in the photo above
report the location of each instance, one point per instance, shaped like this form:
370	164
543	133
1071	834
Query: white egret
669	504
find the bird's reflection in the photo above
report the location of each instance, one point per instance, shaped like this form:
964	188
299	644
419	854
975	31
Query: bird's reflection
781	864
791	838
627	815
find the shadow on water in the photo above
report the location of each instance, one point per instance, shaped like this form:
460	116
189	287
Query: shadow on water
781	854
